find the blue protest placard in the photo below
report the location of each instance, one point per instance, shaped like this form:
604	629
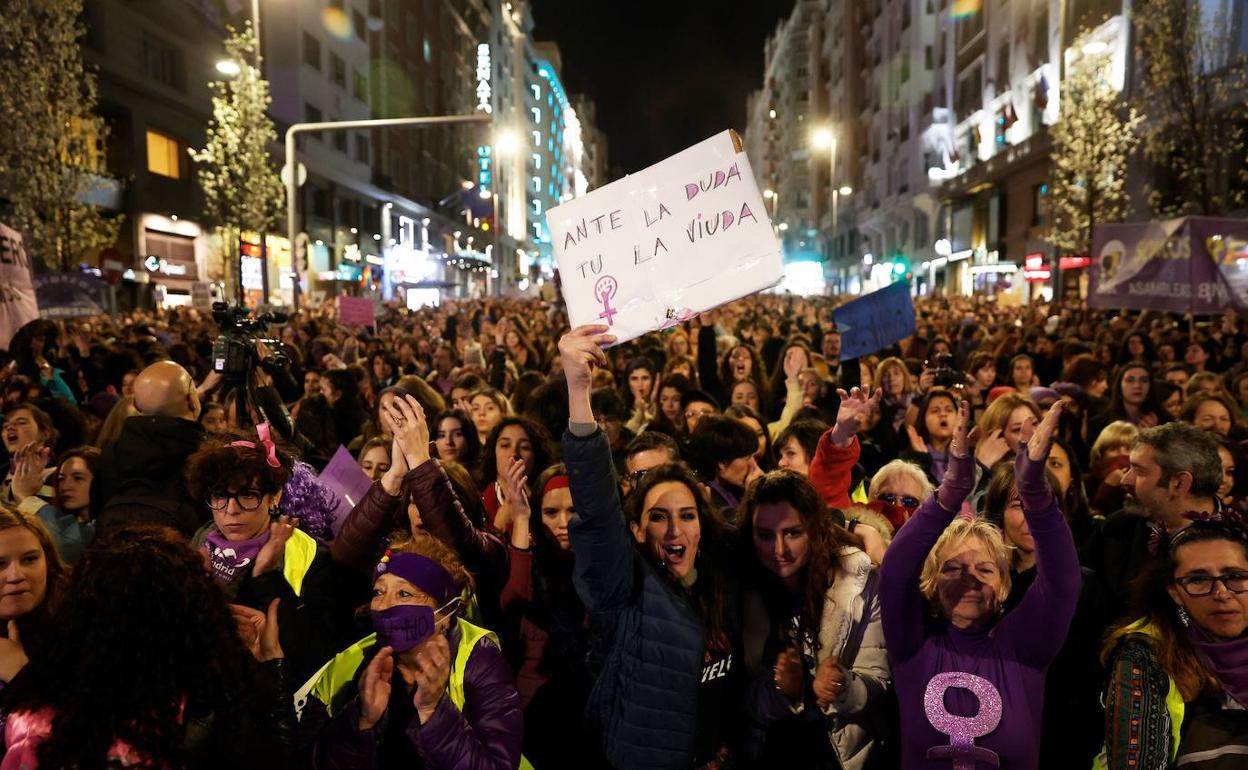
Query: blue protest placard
875	321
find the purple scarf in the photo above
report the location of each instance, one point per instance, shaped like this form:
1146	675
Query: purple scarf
1227	661
230	558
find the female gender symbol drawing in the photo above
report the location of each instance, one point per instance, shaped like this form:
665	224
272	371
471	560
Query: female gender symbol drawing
604	290
963	731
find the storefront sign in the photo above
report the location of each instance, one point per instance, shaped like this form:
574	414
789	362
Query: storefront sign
1035	268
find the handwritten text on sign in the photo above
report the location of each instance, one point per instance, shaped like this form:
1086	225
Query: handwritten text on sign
662	245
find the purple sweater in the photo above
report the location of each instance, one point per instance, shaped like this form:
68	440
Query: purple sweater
1012	655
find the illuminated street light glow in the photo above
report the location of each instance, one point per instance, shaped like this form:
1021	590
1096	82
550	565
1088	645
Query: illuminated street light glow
228	67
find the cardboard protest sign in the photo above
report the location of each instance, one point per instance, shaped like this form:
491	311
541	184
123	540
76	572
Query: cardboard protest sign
344	477
662	245
356	311
875	321
17	292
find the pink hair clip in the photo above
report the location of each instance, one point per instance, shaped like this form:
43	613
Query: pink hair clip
262	432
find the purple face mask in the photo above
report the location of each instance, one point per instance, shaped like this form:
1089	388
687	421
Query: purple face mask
404	626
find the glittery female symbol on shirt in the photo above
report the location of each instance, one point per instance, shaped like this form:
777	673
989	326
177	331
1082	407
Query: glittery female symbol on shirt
963	731
604	290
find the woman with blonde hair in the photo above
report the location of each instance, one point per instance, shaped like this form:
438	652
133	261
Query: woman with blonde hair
970	660
1007	423
900	391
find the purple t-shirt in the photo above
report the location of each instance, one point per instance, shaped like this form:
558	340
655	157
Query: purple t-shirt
937	667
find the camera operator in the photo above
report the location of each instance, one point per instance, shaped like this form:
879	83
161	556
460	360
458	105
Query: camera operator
260	371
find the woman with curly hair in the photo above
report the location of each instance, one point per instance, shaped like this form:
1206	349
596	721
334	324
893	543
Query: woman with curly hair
166	680
257	553
813	642
427	690
513	437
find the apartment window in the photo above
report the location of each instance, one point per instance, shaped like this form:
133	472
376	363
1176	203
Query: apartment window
905	66
1003	65
311	51
162	62
927	57
905	14
361	148
358	23
970	27
340	141
970	91
312	114
337	70
1040	43
1040	205
164	155
360	87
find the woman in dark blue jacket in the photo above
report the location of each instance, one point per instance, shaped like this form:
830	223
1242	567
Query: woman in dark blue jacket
666	652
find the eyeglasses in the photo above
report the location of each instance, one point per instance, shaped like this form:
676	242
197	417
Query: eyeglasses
635	477
905	501
1202	585
247	499
691	413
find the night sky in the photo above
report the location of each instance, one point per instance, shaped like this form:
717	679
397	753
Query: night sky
664	74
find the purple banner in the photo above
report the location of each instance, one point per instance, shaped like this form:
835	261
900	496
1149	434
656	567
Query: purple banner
1190	265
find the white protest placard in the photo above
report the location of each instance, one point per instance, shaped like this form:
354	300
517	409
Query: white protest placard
662	245
18	305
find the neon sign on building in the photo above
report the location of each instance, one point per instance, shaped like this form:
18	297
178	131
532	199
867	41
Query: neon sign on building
483	79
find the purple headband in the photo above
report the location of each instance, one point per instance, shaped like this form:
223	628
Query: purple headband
421	571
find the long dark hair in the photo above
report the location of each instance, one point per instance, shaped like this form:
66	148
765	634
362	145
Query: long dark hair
144	644
826	542
470	455
1151	404
556	607
1151	602
538	437
709	595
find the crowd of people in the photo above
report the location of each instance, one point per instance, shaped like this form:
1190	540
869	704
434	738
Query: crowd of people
1015	539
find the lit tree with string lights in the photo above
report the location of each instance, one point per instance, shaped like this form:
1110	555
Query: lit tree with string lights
239	178
1092	141
51	140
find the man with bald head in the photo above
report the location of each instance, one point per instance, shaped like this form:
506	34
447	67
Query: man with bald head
165	389
140	477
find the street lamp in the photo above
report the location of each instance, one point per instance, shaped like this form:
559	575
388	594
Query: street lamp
506	145
824	138
228	67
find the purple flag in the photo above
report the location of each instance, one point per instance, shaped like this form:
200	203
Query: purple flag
344	476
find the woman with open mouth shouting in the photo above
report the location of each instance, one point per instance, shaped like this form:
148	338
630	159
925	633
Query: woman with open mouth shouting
970	684
667	686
